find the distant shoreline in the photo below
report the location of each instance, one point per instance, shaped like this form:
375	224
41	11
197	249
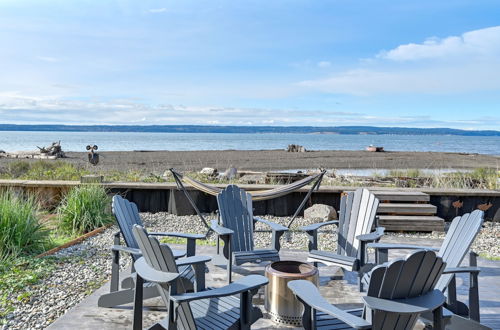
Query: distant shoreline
342	130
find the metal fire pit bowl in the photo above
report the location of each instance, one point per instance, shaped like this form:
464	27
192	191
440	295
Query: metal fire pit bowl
280	302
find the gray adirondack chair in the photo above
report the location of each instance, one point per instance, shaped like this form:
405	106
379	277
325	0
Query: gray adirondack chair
357	214
459	238
218	308
127	215
237	228
398	293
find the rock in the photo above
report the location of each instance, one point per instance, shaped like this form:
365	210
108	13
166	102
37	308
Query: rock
209	171
320	212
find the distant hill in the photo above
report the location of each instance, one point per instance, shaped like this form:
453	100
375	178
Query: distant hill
249	129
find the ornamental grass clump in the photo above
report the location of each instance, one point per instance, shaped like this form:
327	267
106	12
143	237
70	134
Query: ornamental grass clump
20	229
84	209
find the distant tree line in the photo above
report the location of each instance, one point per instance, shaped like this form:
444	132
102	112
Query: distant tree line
249	129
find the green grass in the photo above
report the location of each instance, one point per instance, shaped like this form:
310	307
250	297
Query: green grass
178	240
42	170
408	173
20	229
84	209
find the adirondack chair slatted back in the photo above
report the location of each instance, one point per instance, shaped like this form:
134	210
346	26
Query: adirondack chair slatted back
356	217
462	232
161	258
127	215
400	279
236	213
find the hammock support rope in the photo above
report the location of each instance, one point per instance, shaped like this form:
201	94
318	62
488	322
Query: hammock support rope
257	195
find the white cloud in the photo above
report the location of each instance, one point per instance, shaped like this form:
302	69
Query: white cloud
474	43
48	59
17	109
157	10
324	64
467	63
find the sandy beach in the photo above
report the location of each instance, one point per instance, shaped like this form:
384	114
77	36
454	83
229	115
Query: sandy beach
265	160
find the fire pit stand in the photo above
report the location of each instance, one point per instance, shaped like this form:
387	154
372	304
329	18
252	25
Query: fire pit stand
280	302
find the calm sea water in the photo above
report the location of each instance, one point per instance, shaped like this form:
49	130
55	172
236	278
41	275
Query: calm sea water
108	141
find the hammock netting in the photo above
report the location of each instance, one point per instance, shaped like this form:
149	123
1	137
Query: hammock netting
257	195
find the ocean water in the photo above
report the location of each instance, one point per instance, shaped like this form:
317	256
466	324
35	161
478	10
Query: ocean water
117	141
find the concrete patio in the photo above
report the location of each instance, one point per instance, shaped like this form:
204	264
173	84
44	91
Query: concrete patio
87	315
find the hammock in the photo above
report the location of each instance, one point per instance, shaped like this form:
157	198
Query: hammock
257	195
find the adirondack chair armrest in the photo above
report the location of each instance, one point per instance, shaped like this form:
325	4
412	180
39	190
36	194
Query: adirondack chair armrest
316	226
220	230
274	226
246	283
150	274
390	246
126	249
456	270
373	236
309	295
181	235
193	260
425	303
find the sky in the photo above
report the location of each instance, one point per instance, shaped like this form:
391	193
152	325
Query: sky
282	63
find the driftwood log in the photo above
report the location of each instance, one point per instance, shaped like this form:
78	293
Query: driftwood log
53	150
295	148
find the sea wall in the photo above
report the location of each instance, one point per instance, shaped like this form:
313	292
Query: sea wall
165	197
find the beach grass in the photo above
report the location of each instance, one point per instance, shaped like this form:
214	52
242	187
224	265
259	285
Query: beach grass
84	208
21	231
479	178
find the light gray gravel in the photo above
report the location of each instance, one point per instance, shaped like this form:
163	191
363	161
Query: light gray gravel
83	268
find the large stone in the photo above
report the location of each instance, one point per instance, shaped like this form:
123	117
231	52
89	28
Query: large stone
209	171
320	212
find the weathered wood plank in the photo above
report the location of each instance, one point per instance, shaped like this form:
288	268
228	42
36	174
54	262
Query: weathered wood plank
407	208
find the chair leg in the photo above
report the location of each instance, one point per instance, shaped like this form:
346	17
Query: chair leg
229	271
137	322
474	313
438	318
115	271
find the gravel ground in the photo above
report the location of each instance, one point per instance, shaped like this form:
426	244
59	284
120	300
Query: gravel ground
83	268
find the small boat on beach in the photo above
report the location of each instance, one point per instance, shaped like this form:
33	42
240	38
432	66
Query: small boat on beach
373	148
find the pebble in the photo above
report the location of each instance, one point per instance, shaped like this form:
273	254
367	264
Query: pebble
84	267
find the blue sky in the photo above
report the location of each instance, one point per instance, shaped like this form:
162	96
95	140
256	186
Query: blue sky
323	63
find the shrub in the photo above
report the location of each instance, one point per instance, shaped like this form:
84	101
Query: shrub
84	209
20	229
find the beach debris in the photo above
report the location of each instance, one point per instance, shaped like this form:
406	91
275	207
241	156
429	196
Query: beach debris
209	171
53	151
92	155
320	212
295	148
373	148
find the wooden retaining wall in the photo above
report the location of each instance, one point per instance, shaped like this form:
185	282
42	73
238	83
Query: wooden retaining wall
164	197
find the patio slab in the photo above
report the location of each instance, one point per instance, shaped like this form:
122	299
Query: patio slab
87	315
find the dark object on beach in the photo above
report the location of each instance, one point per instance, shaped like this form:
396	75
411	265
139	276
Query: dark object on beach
375	149
93	156
295	148
53	150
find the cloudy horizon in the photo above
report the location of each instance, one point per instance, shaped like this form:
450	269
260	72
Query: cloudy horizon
274	64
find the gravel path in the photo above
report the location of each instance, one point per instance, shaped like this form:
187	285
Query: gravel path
83	268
